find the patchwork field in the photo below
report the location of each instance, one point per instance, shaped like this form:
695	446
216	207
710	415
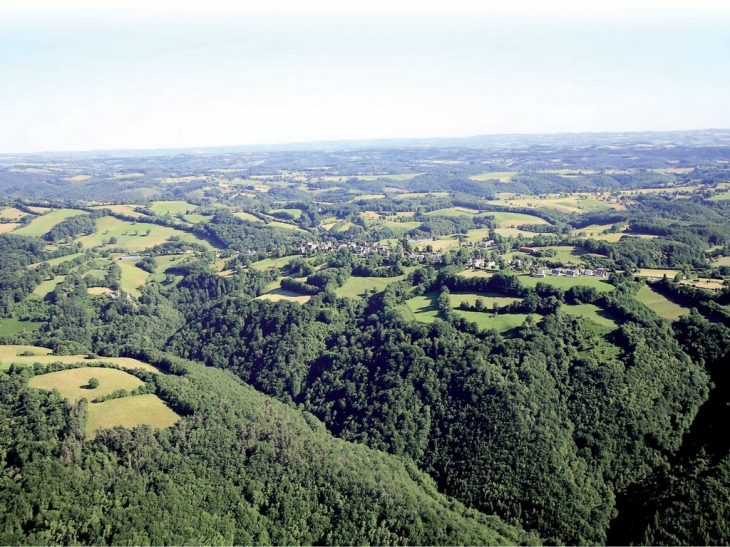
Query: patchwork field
42	224
6	227
661	305
12	213
133	236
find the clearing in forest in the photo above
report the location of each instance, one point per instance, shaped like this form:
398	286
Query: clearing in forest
660	304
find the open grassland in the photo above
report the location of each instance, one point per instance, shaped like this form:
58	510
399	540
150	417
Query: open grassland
488	299
512	220
132	277
443	244
566	282
247	216
130	412
296	213
503	323
12	325
12	354
39	210
47	286
402	176
476	235
407	195
514	232
72	383
401	227
172	207
501	176
567	254
575	203
127	210
356	287
273	262
422	308
6	227
367	196
704	283
661	305
132	236
649	272
722	261
42	224
284	225
79	178
452	212
721	197
592	312
275	295
12	213
194	218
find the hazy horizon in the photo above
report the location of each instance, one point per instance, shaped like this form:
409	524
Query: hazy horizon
183	75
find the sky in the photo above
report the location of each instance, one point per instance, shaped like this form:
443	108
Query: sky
173	74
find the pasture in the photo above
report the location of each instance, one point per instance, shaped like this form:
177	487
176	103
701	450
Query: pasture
127	210
452	212
401	227
273	262
512	220
477	273
566	282
171	207
46	286
11	325
133	237
501	176
41	225
129	412
277	294
488	299
132	277
503	323
247	216
592	312
357	287
660	304
72	383
12	213
6	227
13	354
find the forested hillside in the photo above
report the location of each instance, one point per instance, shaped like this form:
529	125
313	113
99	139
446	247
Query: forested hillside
427	345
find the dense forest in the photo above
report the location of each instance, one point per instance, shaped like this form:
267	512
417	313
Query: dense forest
428	345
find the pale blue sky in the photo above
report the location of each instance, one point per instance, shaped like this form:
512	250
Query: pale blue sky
190	75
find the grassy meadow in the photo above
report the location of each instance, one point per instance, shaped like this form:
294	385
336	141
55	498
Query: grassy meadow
41	225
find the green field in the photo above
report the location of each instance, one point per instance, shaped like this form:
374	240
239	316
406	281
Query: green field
501	176
133	236
172	207
273	262
648	272
12	325
72	383
401	227
592	312
355	287
452	212
247	216
514	232
512	220
132	277
42	224
567	254
12	354
296	213
194	218
422	308
660	304
47	286
60	260
404	176
276	294
566	282
721	197
721	261
503	323
488	299
129	412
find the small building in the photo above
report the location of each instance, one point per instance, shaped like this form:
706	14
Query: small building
528	250
539	273
555	271
571	273
588	273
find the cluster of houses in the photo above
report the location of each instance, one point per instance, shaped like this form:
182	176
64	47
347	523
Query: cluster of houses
362	250
568	272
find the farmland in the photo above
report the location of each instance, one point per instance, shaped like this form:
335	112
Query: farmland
72	383
42	224
592	312
566	282
660	304
132	277
129	412
35	354
356	287
277	294
133	236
